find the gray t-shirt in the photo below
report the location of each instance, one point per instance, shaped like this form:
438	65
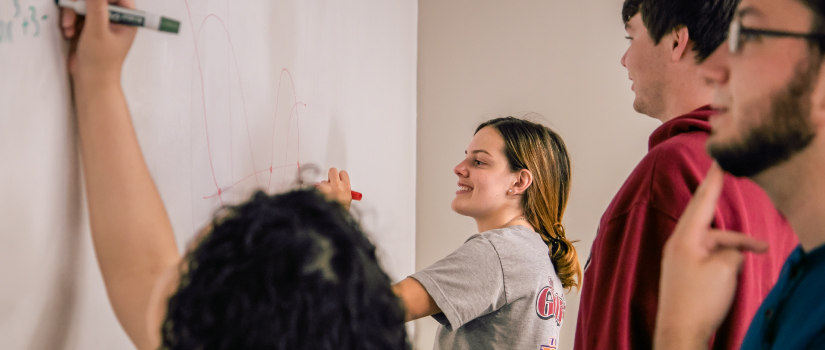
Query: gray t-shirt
499	290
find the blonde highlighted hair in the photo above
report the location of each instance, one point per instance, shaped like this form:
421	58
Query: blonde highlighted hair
541	151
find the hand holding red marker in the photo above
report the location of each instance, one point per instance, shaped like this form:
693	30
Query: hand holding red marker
338	188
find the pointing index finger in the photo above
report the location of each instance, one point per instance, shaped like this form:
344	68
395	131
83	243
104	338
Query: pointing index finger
700	210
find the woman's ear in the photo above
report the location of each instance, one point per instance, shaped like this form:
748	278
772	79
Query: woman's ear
524	178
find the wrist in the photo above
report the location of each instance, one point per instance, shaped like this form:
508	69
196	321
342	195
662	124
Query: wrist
94	84
91	96
87	77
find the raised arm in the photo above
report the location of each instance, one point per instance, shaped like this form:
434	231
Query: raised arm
132	235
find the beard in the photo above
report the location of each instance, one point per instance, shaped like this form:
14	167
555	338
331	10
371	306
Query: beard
785	130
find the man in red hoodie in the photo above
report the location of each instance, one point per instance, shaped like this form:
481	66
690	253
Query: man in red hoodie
669	39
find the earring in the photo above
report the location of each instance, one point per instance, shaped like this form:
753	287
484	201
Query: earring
510	191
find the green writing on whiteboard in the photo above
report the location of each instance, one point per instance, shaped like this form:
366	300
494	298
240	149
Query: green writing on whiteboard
24	22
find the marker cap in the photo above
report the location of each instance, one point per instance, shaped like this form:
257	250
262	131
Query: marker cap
169	25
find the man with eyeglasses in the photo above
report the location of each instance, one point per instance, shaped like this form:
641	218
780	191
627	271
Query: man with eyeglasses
770	95
669	40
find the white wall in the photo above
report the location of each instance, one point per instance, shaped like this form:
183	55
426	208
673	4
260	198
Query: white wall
217	116
560	59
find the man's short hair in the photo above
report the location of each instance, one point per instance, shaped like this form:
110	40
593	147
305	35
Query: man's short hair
818	26
707	21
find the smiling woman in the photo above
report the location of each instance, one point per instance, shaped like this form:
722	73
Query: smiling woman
504	287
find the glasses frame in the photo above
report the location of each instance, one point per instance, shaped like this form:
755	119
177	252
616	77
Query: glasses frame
736	30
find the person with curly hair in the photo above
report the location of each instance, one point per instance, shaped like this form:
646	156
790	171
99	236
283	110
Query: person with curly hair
302	276
288	271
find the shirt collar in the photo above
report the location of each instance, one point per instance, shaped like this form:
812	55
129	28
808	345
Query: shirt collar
696	120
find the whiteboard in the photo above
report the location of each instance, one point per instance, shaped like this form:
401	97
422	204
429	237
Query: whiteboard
244	95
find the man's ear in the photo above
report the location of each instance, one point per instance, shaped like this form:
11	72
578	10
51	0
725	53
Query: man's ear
679	43
524	178
818	98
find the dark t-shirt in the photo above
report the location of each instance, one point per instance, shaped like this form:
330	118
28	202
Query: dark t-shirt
793	314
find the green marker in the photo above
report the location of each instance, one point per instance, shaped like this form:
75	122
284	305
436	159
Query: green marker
129	17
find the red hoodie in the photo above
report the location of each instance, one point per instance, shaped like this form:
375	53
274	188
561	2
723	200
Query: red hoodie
621	280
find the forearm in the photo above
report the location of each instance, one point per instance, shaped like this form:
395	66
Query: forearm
417	302
132	235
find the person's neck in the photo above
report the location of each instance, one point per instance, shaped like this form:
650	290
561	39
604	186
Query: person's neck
503	219
685	93
797	189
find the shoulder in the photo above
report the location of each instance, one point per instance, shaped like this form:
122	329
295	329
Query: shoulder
666	177
517	248
678	166
524	260
673	160
512	238
683	151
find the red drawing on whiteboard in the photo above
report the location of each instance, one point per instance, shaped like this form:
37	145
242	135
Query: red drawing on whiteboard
221	186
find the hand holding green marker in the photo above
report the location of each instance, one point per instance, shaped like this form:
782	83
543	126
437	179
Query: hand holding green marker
130	17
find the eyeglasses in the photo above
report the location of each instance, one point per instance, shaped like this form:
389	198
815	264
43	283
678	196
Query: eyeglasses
738	34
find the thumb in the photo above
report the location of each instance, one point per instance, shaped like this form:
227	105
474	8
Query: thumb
718	239
729	260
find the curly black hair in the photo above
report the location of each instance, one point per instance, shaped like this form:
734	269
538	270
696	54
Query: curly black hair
289	271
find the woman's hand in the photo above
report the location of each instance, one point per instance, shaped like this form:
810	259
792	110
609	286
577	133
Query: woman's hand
337	187
98	47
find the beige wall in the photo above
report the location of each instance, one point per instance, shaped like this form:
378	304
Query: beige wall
560	59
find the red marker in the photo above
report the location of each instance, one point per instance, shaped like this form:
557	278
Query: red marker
356	196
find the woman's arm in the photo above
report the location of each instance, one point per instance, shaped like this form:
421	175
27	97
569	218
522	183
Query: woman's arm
132	235
417	302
